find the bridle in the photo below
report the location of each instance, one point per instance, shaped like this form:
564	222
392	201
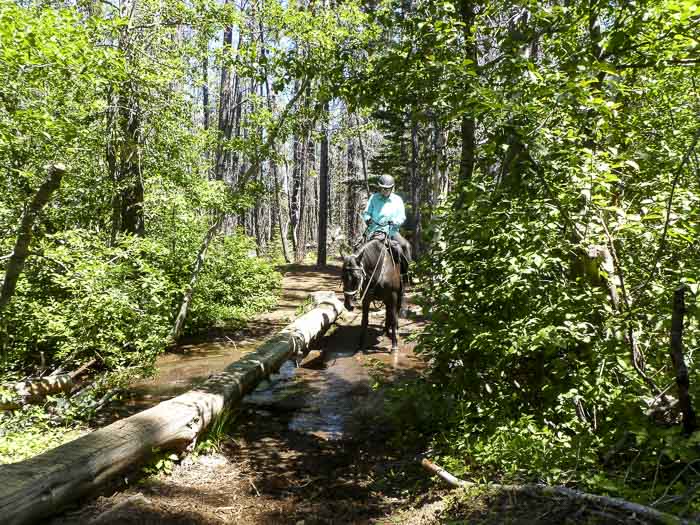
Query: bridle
360	269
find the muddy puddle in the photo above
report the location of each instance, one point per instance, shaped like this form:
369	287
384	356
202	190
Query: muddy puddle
183	370
322	396
319	397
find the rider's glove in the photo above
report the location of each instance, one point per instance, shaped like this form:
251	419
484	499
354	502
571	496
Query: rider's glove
368	221
390	223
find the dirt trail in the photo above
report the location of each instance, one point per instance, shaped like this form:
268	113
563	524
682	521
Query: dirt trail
308	446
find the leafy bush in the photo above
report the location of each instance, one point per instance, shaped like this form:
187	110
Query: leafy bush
534	359
82	299
31	431
233	286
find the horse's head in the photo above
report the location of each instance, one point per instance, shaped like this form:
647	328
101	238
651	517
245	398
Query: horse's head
353	278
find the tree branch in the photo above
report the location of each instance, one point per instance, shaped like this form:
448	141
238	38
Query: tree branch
662	243
24	234
637	356
633	509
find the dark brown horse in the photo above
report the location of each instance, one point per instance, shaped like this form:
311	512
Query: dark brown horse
373	273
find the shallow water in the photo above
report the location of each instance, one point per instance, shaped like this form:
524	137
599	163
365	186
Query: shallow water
320	398
179	372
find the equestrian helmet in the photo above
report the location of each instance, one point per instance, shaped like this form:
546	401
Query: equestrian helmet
386	181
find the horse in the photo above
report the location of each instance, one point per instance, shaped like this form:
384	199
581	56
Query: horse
374	273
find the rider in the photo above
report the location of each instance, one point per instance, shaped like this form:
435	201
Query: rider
385	211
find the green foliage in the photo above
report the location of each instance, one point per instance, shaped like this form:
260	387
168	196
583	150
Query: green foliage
160	463
235	285
217	432
86	290
586	115
305	306
111	303
32	430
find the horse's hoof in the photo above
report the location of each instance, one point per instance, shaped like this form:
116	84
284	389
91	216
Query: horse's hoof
395	348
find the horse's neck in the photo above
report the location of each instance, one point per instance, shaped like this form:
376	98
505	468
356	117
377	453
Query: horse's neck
370	255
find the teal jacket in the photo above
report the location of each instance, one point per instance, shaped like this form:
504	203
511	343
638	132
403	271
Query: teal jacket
383	210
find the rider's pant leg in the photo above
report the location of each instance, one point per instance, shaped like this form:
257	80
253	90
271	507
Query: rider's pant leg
406	249
405	245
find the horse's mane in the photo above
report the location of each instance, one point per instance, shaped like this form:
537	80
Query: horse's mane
369	252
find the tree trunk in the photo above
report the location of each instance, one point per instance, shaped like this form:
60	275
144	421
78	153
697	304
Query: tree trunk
278	201
123	143
129	175
352	205
295	193
229	110
274	172
24	233
416	188
468	124
205	91
363	158
324	182
43	485
300	189
682	379
198	265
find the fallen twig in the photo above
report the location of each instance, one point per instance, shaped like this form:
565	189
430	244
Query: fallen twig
641	511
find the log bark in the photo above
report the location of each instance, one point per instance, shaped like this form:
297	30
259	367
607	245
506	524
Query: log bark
634	509
41	486
24	234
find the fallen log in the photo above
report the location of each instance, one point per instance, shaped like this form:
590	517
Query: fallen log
35	389
633	509
42	485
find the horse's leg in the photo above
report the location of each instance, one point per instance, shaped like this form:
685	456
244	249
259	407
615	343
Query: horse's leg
394	307
365	322
387	320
